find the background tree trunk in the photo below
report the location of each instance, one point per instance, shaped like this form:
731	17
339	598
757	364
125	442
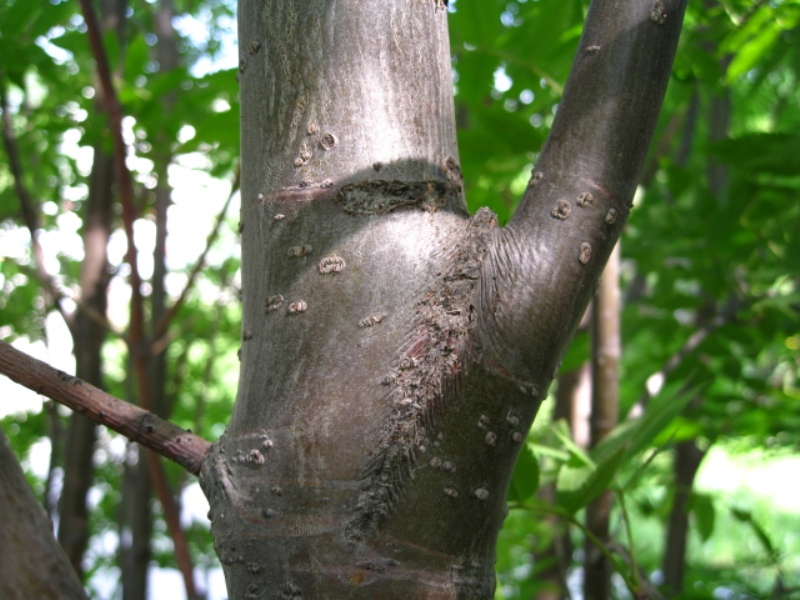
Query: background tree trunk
88	336
87	333
688	457
573	404
136	514
605	415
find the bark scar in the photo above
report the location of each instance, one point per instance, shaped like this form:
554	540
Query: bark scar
425	376
375	197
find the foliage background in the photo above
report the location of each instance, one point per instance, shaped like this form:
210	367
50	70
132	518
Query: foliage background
711	250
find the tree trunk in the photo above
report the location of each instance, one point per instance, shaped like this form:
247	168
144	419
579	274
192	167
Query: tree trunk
88	336
136	524
32	564
396	350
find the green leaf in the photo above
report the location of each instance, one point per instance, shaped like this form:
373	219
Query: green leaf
579	483
561	430
741	514
74	42
554	453
18	16
636	434
702	506
752	153
525	479
577	354
136	56
746	516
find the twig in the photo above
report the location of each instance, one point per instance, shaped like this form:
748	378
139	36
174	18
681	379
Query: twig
138	425
641	468
90	311
644	589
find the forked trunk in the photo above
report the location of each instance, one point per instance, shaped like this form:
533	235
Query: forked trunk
395	350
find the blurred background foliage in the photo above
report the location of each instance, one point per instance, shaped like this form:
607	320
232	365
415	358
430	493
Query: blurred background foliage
709	279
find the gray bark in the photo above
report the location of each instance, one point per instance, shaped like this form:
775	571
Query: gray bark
136	525
396	350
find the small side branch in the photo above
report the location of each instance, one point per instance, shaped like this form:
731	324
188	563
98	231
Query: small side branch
546	261
612	99
141	426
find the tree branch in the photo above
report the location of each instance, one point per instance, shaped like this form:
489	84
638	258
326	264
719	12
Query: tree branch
621	69
183	557
543	268
138	425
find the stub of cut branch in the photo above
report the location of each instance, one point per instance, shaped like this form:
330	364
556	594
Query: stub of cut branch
138	425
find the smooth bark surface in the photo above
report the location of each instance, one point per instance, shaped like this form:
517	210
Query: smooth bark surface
395	350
